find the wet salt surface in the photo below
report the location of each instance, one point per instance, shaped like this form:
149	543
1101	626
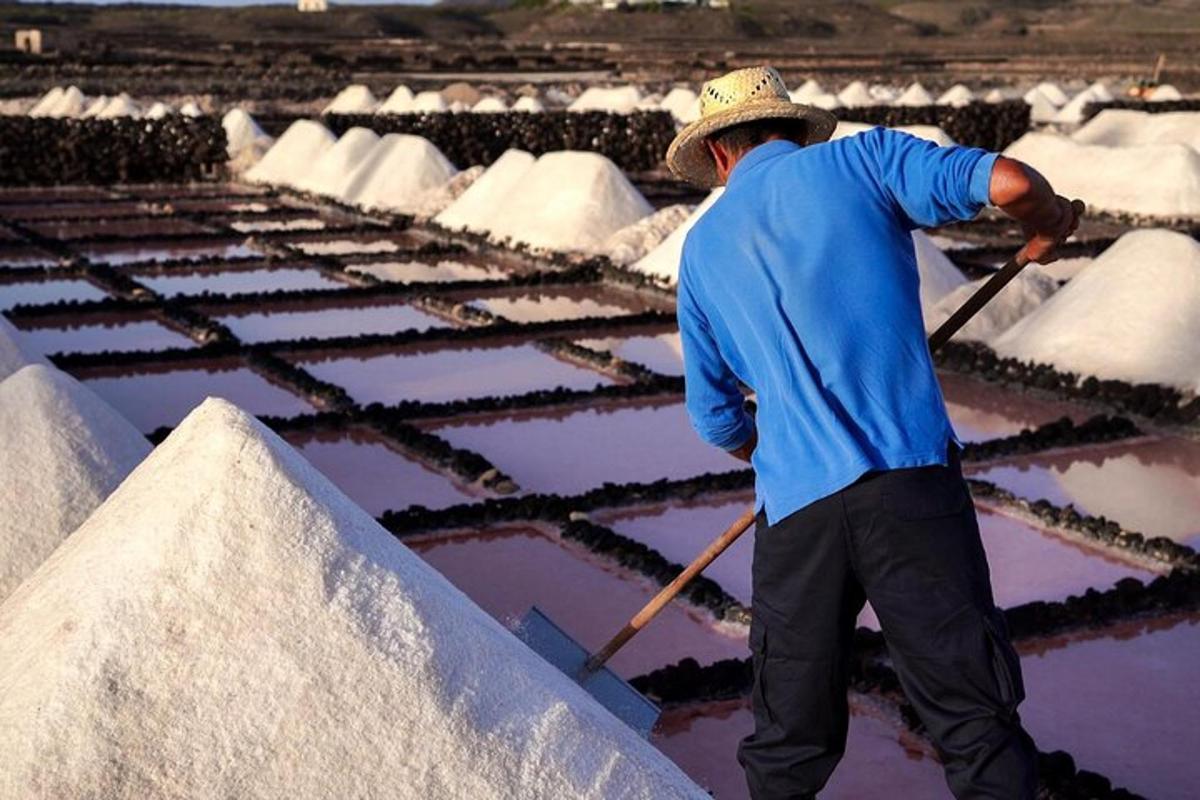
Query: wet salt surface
51	194
703	741
151	399
452	374
34	211
129	253
302	224
155	226
374	474
1026	564
114	335
662	353
980	411
328	322
420	272
241	281
573	452
564	304
1122	702
332	247
507	571
177	191
27	257
1151	487
41	292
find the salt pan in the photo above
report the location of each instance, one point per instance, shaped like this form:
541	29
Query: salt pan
62	451
229	622
1130	315
301	145
474	209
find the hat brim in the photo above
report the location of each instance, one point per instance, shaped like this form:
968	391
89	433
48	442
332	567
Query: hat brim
688	156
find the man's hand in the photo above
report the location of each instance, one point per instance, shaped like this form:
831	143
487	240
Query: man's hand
744	452
1046	218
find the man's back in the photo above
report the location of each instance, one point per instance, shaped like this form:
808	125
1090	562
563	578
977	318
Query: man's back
801	281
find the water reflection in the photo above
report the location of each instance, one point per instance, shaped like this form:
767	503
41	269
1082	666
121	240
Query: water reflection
240	281
50	291
323	322
980	411
662	353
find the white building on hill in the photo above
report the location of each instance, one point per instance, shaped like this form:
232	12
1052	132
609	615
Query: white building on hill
312	5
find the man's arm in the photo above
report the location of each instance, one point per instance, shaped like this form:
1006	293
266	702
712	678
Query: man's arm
1046	218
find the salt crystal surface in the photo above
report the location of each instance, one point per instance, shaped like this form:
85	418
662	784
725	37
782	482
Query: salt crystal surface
938	275
528	104
15	352
490	105
398	102
474	209
1159	179
354	99
633	242
856	93
293	154
428	101
956	95
1020	297
62	451
1122	127
330	174
229	622
619	100
1131	315
397	171
436	199
683	103
569	200
1165	93
915	95
662	263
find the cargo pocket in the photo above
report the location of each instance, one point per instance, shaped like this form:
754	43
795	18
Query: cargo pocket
1006	664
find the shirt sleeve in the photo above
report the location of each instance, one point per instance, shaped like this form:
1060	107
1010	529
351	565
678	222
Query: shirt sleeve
932	185
714	402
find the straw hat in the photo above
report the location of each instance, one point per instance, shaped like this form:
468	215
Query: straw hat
744	95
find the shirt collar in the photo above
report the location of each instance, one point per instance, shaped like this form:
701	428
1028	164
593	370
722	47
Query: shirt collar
775	147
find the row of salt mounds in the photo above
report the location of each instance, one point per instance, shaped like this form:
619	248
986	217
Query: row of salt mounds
245	141
1120	127
1130	315
478	205
1020	297
957	95
60	102
929	132
14	354
568	200
62	451
618	100
293	154
1152	180
354	99
1072	112
229	623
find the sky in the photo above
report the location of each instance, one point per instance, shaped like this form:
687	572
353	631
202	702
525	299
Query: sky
239	2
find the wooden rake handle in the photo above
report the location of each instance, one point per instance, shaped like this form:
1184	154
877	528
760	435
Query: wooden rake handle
719	545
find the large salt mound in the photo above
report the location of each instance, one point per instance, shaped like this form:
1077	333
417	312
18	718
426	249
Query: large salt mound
915	95
956	95
399	169
619	100
807	90
633	242
1040	107
1019	298
429	102
569	200
938	275
683	103
120	106
1130	315
242	133
434	201
42	107
930	132
490	105
70	104
354	99
331	174
1072	112
62	451
13	353
293	154
662	263
474	208
398	102
1155	180
1051	91
1165	93
528	104
1120	127
228	623
856	93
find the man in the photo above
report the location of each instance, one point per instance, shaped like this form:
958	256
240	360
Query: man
801	283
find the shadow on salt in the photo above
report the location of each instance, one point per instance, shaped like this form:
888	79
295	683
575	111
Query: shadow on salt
508	570
443	374
374	474
1152	487
327	321
980	411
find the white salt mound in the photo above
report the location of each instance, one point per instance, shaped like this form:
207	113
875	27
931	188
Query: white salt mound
825	101
528	104
995	96
437	199
474	209
856	94
938	275
619	100
398	102
62	451
1101	92
569	200
1120	127
42	107
915	95
398	170
683	103
242	132
633	242
1051	92
1154	180
1072	112
14	353
94	107
1130	315
956	95
1040	107
807	90
1165	93
159	110
1020	297
331	173
191	109
490	105
120	106
354	99
293	154
70	104
662	263
228	623
930	132
884	95
429	102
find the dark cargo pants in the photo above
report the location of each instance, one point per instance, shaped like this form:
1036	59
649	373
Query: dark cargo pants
908	541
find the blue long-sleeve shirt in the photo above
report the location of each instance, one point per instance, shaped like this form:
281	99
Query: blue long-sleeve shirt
801	282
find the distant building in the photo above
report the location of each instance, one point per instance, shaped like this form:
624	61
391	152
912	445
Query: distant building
29	40
312	5
615	5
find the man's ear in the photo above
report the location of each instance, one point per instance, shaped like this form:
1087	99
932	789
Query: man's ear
720	157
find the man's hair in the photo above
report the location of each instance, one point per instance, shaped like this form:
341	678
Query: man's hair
740	138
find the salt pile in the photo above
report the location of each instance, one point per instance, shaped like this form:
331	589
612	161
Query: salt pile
490	105
1020	297
662	263
159	110
428	102
62	451
331	173
1041	109
120	106
293	154
957	95
808	90
528	104
59	102
398	102
434	201
569	200
633	242
1165	93
1154	180
937	274
50	99
191	109
856	94
94	107
354	99
229	623
825	101
683	103
14	354
1051	92
619	100
915	95
1072	112
930	132
1119	127
474	209
245	141
884	95
995	96
1130	315
395	173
